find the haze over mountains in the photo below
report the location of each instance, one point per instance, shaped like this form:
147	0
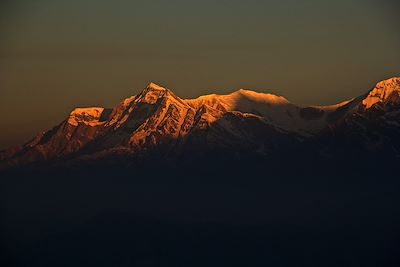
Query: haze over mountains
158	123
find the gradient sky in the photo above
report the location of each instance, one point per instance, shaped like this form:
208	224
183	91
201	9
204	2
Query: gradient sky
56	55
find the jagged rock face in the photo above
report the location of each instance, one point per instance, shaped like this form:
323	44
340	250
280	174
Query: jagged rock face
157	121
154	117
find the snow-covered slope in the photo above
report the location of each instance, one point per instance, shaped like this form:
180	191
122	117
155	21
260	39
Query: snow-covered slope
158	121
275	110
87	116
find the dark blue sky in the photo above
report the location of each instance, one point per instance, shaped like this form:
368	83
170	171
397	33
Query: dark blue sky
55	55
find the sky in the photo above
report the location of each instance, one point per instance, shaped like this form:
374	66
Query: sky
57	55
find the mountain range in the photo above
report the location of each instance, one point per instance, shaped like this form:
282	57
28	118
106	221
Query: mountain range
158	124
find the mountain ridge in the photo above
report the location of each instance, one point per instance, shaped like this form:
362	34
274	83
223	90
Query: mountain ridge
158	121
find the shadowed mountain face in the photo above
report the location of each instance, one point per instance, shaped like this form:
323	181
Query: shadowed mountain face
157	123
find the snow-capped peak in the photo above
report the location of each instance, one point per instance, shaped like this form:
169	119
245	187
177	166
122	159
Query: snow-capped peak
262	97
152	93
157	120
382	92
154	86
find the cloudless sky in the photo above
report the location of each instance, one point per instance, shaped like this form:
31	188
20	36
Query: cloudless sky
56	55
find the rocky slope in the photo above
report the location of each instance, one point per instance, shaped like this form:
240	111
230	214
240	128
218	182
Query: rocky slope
157	122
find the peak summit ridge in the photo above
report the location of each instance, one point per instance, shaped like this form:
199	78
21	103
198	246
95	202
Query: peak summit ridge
156	120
